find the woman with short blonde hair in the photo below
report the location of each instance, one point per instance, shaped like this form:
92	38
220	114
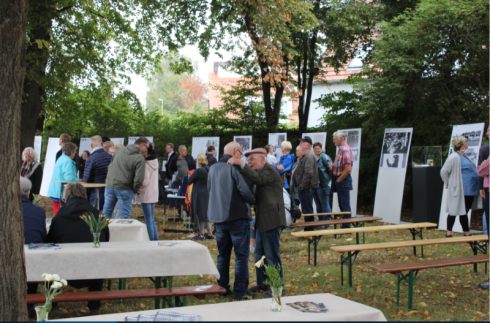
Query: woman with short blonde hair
202	160
32	170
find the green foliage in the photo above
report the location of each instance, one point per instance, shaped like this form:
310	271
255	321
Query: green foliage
429	70
274	278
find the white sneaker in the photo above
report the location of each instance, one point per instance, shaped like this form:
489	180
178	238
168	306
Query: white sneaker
192	235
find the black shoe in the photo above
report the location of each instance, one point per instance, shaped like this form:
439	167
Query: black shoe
257	289
449	236
245	297
228	293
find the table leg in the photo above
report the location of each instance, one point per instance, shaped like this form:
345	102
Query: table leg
350	268
97	198
157	285
61	194
122	286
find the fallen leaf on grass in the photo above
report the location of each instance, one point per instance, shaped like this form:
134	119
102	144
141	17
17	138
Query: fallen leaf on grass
315	275
315	284
422	304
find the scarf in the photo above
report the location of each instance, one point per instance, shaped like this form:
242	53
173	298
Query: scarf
28	169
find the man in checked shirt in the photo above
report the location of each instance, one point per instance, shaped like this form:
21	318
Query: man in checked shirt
341	169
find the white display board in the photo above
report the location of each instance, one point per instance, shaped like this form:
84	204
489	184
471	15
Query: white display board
164	169
200	146
120	141
392	173
320	137
133	139
473	133
49	161
275	140
246	143
84	145
353	139
38	144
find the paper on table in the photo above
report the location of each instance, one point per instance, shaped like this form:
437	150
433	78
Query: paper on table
125	221
167	244
163	317
308	307
43	246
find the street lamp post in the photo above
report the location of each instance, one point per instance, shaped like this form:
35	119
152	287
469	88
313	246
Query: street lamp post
162	105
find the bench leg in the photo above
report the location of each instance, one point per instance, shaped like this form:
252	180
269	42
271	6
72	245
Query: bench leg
410	280
477	246
109	284
416	233
410	289
122	286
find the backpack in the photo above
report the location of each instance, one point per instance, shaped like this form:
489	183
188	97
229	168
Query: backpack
294	211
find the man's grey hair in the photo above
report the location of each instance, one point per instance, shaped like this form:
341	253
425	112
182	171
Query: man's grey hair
25	186
96	141
32	152
171	145
75	190
180	147
339	134
68	148
109	143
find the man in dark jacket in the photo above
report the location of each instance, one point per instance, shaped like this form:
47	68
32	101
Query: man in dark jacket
182	164
34	227
307	178
64	138
230	196
125	175
210	155
269	211
96	167
170	156
67	227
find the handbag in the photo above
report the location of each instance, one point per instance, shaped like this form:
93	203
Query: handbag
294	211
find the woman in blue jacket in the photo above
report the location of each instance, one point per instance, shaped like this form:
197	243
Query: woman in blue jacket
286	163
64	171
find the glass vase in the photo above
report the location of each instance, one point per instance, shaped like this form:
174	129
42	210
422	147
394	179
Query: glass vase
41	313
96	243
276	305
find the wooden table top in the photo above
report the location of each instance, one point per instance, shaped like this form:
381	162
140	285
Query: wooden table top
330	213
406	243
86	185
364	229
338	221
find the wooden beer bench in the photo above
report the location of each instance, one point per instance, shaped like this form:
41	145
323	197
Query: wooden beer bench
315	236
414	267
199	292
353	250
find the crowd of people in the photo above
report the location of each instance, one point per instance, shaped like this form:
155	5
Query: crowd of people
221	192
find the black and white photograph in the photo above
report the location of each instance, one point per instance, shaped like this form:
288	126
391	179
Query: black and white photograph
246	143
355	155
275	140
353	138
201	144
320	137
394	154
473	135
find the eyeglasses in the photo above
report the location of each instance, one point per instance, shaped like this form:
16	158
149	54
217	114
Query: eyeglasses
241	153
250	159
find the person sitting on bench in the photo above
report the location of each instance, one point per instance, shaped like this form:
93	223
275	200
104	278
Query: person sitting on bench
68	227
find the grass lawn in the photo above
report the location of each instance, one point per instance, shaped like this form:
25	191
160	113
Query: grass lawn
446	294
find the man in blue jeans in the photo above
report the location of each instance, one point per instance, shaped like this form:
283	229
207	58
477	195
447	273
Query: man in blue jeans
125	175
322	194
341	169
306	178
230	196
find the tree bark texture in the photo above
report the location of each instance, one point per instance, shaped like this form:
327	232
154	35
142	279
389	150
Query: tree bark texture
13	287
37	59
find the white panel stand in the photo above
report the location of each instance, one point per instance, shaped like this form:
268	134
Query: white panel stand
389	195
49	161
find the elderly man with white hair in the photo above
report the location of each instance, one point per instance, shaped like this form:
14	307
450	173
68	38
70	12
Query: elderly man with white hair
32	170
341	169
96	167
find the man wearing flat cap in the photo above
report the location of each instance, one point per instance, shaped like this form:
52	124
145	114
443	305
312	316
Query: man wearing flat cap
269	211
307	178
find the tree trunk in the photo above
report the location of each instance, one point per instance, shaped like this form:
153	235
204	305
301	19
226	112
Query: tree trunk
37	60
13	285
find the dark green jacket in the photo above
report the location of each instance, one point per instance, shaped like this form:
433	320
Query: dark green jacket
269	201
127	169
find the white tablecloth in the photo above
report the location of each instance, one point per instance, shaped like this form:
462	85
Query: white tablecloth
339	309
120	260
135	231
